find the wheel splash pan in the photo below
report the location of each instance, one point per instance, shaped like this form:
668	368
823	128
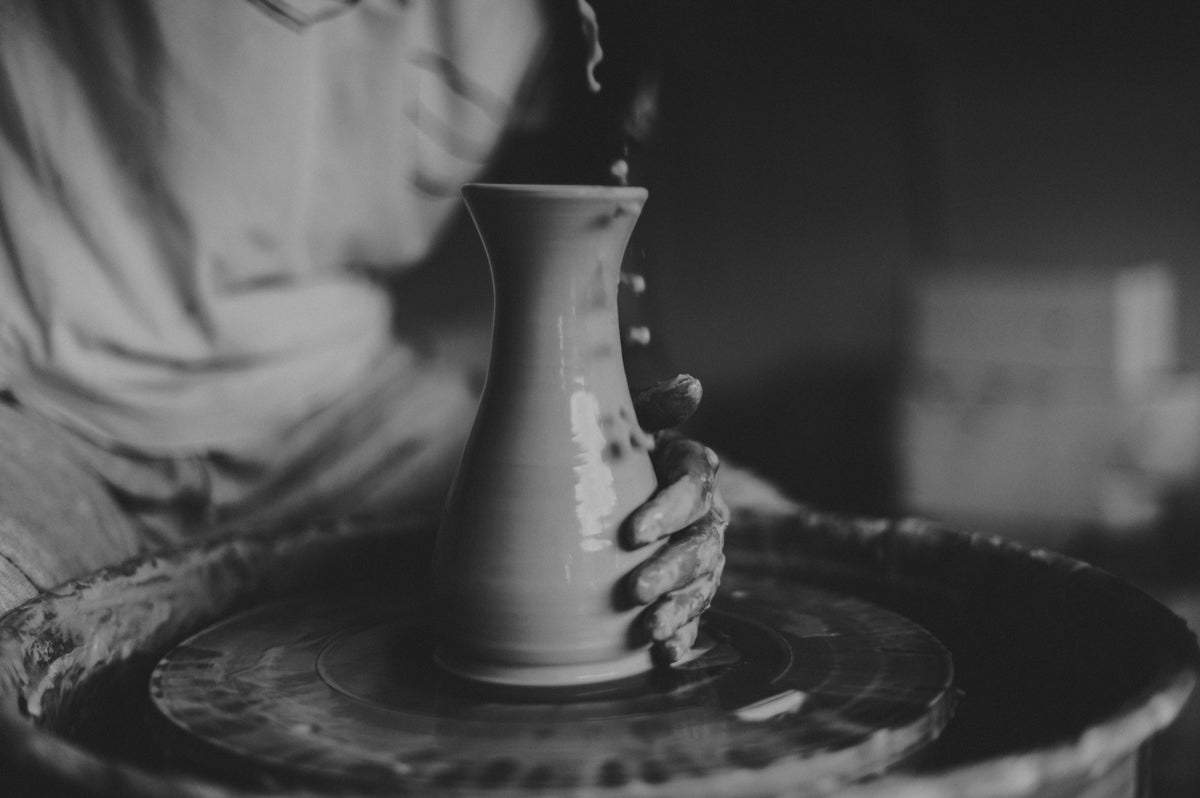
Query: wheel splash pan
1064	671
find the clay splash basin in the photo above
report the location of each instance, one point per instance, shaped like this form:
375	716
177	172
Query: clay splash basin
1063	672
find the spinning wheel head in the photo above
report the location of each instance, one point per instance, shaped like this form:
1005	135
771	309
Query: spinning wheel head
793	685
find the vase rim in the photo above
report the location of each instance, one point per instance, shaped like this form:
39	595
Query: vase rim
558	190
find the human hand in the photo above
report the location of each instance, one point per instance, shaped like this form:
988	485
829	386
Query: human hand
679	581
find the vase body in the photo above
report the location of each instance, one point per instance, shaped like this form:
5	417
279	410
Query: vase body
529	555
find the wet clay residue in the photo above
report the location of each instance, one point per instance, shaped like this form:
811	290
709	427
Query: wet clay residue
74	661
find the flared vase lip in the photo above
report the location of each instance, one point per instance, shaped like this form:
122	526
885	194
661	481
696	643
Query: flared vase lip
557	190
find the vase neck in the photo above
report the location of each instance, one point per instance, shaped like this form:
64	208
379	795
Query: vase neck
559	245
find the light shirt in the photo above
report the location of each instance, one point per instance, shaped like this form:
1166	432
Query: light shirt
190	191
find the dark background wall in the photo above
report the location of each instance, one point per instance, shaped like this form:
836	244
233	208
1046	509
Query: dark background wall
814	157
783	189
810	158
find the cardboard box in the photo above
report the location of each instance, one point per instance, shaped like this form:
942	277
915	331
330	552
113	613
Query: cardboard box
1019	383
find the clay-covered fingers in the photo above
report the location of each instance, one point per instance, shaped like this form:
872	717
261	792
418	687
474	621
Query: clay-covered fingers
680	581
689	471
668	619
686	556
682	577
680	643
668	403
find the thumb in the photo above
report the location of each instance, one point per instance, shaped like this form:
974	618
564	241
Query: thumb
667	404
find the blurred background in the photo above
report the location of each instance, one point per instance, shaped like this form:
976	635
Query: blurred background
926	257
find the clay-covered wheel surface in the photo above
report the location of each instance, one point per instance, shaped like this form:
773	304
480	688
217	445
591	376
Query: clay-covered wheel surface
794	686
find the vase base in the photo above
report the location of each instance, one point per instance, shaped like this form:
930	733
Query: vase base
584	673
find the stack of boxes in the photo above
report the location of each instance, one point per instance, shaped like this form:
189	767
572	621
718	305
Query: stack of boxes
1022	387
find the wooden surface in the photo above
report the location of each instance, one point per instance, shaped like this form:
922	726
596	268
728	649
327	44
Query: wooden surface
1065	672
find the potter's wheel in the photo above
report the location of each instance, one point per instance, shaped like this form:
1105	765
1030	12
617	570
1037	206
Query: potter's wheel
795	686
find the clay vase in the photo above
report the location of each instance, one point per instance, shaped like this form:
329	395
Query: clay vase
529	555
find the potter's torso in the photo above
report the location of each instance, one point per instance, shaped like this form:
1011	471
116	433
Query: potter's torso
189	191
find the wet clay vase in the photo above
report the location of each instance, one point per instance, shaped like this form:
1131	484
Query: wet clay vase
530	557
